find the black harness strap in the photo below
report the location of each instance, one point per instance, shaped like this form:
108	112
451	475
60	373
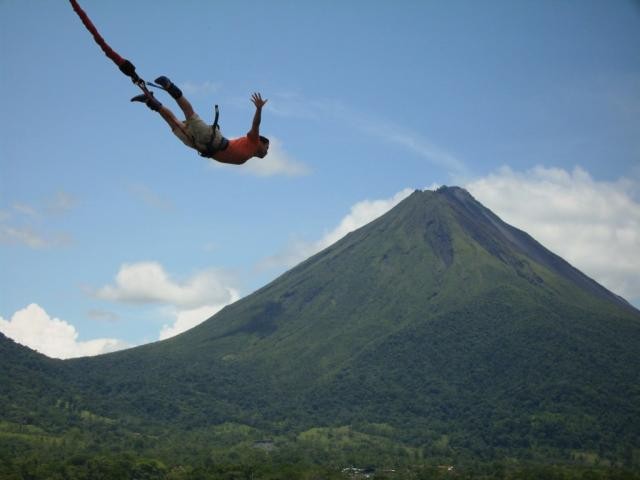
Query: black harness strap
211	149
215	120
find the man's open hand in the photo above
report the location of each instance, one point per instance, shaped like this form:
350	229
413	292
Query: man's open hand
257	100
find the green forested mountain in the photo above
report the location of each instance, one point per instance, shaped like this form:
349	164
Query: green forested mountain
435	332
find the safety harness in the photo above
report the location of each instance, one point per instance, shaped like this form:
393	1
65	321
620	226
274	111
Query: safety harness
217	143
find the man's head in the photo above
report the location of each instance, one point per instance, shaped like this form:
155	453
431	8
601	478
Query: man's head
263	149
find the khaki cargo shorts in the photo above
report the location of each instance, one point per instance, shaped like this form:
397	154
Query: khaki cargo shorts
198	133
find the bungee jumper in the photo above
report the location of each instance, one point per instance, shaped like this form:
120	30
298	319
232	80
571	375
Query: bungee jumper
207	139
193	131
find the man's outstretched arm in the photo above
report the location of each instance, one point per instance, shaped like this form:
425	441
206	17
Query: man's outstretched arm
257	100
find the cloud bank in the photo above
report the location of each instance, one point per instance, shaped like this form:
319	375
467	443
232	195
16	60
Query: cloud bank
35	328
190	302
147	282
594	225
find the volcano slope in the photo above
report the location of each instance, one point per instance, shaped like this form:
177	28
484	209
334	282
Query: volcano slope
437	325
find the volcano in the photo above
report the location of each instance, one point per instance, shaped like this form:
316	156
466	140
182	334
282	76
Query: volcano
438	323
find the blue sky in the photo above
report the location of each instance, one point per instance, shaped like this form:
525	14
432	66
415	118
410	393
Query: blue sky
113	233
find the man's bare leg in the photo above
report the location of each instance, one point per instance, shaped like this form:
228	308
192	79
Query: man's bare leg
170	118
173	122
186	107
166	114
177	95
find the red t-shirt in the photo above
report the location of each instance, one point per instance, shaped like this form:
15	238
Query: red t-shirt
239	150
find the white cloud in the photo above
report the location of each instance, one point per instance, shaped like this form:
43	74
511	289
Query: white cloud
593	225
277	162
22	236
151	198
147	282
103	315
29	237
61	202
33	327
23	225
199	88
24	209
189	302
187	319
360	214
